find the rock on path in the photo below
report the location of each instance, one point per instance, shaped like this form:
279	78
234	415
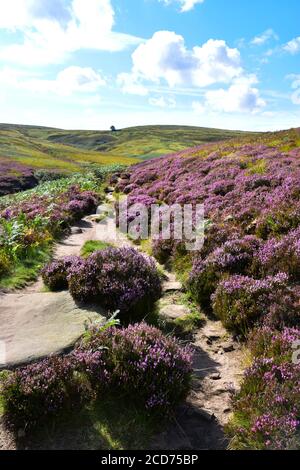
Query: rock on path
36	325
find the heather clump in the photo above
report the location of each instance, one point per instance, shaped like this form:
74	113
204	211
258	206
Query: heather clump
240	301
234	256
162	249
119	279
281	255
55	273
81	203
267	407
41	391
138	363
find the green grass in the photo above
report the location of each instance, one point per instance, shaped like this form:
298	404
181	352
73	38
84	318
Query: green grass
257	168
119	425
108	424
69	151
91	246
26	270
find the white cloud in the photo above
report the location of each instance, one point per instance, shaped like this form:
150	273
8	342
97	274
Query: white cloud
130	84
198	108
293	46
240	97
296	96
163	102
21	14
296	86
54	31
69	81
186	5
264	37
165	58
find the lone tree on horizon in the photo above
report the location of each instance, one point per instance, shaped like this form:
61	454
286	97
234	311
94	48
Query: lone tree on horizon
113	129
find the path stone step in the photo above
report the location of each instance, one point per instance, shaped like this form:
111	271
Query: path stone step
103	208
174	311
172	286
37	325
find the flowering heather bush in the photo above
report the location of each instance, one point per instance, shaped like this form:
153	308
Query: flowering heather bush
55	273
240	301
140	362
40	391
15	177
119	279
248	189
281	255
81	203
267	408
234	256
162	249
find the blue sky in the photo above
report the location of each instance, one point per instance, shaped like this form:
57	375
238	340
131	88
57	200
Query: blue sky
88	64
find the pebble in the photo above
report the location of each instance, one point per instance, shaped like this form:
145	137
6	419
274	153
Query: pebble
228	347
216	376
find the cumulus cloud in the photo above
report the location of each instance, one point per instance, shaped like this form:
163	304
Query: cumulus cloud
295	97
67	82
293	46
129	83
55	29
165	58
264	37
163	102
186	5
240	97
198	108
70	80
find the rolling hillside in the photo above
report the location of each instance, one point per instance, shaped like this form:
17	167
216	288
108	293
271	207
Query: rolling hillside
137	142
24	149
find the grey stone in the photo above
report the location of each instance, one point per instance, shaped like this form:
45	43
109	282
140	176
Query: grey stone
109	189
174	311
216	376
36	325
172	286
76	230
228	347
227	410
212	337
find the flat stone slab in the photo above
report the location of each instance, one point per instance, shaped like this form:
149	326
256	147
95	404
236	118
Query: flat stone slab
35	325
174	311
172	286
104	208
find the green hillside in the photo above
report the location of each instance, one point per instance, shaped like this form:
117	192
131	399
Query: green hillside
42	147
